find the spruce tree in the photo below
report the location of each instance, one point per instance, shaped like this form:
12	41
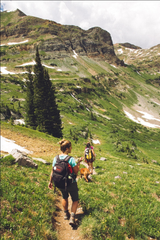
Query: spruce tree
39	93
46	113
29	106
53	121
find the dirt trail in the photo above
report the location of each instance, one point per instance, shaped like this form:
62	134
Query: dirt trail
64	230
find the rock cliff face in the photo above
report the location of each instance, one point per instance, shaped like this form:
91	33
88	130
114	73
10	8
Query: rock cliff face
61	40
94	43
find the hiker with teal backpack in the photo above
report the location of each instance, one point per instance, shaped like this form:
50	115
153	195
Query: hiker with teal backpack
63	175
89	156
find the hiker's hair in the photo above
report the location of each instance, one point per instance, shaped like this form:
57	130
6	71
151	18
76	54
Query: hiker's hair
88	145
64	144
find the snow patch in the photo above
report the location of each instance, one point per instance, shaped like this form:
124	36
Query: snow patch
75	54
19	121
156	103
79	101
141	121
138	73
33	63
148	116
48	66
75	98
113	66
14	43
8	145
27	64
96	141
4	71
120	51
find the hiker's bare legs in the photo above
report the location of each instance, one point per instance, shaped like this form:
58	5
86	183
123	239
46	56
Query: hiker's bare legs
73	212
88	165
91	169
65	204
74	206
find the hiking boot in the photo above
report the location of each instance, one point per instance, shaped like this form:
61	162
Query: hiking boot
66	215
72	221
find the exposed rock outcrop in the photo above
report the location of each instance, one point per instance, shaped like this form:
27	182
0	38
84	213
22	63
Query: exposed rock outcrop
22	159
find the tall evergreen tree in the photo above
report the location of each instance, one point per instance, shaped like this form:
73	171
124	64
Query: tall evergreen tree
29	106
39	93
46	113
53	121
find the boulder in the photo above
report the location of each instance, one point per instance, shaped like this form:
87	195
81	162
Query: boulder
22	159
154	161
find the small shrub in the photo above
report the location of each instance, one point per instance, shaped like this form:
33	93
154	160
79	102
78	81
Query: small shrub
8	160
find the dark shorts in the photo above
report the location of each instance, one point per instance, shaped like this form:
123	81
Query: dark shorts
89	161
72	189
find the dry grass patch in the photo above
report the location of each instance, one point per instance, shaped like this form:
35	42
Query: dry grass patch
39	147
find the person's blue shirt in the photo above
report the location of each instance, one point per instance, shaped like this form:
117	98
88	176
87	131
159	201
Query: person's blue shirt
71	161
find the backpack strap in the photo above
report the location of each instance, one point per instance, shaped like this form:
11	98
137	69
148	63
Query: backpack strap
57	157
67	158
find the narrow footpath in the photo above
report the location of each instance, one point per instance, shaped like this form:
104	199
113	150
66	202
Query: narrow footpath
64	230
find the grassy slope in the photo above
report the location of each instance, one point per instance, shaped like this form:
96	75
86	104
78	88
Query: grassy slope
27	204
114	207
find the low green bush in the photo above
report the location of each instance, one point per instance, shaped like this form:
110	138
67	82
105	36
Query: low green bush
8	160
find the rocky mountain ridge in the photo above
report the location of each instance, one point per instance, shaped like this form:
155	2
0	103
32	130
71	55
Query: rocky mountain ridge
56	40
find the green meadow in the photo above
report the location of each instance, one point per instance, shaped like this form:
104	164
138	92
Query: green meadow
27	205
122	200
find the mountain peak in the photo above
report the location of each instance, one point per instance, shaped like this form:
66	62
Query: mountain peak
129	45
20	13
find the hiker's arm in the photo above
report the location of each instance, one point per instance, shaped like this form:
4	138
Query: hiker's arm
93	153
50	182
84	156
76	168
